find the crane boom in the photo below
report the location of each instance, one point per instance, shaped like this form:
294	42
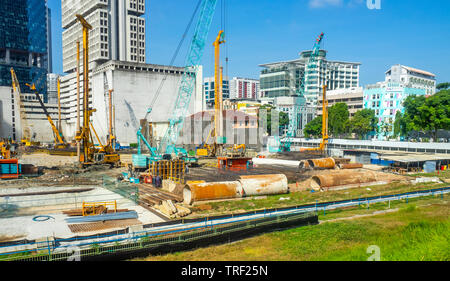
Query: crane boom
195	54
26	133
311	68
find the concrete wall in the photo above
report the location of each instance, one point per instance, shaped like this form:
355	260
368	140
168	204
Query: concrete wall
9	109
134	90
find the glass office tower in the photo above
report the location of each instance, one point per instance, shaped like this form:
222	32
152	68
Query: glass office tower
23	43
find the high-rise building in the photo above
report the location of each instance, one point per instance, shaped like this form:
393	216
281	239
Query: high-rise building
244	88
49	41
284	78
52	86
118	31
412	78
118	34
209	91
23	43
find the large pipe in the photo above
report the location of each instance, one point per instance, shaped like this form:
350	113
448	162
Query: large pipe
333	180
351	166
194	192
264	184
324	163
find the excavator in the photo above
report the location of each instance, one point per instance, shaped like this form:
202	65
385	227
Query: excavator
237	150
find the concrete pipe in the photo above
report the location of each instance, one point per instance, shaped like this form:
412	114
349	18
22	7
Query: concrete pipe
351	166
264	184
194	192
333	180
324	163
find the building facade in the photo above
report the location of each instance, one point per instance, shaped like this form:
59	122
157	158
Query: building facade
244	88
118	31
118	34
412	78
284	78
298	111
353	97
209	90
24	44
386	99
52	88
131	100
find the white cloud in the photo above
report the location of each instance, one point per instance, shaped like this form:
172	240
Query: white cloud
324	3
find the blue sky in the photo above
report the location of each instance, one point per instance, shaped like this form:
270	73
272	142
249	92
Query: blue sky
415	33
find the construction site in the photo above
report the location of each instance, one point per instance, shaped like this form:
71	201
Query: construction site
90	197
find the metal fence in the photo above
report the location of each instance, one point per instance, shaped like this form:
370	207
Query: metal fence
124	189
168	233
62	250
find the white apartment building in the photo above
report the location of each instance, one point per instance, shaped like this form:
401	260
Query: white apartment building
353	97
244	88
52	88
412	78
284	78
118	33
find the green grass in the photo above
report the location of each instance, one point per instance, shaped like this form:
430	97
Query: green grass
410	234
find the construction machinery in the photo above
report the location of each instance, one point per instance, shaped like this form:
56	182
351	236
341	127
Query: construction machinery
237	150
216	131
311	68
168	143
26	130
60	142
323	144
8	149
90	154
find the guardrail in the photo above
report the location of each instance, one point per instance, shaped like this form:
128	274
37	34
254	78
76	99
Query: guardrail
184	230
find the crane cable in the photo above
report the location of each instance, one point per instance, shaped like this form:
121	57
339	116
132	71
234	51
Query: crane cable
188	27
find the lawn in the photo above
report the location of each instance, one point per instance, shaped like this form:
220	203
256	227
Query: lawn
418	231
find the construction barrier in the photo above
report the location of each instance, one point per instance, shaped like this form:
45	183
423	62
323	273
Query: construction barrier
173	170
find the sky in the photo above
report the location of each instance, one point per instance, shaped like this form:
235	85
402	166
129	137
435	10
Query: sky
414	33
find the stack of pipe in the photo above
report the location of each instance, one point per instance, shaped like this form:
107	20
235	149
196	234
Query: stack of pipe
246	186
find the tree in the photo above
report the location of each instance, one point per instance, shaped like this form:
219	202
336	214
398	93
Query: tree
443	86
283	117
427	114
363	122
314	128
399	125
338	117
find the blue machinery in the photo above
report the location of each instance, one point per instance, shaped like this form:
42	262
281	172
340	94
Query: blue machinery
311	68
176	121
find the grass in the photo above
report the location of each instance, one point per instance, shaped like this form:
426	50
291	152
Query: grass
416	232
306	197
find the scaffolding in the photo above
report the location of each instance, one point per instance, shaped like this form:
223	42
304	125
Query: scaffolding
173	170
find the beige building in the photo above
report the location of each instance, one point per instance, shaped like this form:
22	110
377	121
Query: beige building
353	97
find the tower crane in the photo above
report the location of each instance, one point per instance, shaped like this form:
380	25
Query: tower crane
26	131
195	54
187	85
311	68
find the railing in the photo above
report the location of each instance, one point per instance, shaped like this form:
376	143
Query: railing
171	232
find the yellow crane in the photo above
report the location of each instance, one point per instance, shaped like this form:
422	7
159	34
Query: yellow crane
90	154
60	142
216	131
323	144
26	131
